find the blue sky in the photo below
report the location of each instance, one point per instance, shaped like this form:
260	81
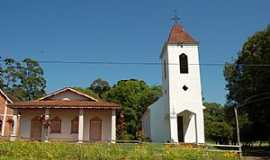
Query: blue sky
126	30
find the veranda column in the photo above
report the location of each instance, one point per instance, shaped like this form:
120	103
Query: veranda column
46	125
14	127
18	125
80	132
113	128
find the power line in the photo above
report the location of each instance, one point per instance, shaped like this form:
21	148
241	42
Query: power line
138	63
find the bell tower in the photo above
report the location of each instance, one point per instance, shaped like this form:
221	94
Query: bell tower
182	86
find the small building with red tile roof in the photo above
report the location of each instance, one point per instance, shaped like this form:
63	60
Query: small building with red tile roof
66	115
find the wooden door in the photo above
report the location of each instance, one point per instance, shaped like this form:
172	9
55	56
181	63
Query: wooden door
36	129
95	129
180	129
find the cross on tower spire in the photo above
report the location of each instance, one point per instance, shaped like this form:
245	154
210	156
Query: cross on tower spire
175	18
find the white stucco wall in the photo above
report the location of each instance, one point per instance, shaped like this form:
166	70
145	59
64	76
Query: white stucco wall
66	116
189	127
159	121
192	79
191	99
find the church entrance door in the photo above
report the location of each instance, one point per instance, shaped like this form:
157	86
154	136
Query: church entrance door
180	129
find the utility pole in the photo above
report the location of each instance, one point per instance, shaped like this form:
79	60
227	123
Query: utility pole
238	131
247	101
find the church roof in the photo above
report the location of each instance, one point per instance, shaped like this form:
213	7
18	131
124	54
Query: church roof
178	36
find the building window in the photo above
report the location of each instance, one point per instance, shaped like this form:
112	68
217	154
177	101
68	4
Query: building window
55	125
183	59
165	69
75	125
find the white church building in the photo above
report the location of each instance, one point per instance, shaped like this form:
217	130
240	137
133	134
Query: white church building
177	116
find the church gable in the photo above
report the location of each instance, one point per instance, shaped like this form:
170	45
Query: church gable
68	94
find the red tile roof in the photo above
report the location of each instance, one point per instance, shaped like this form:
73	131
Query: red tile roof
5	96
45	102
178	35
65	104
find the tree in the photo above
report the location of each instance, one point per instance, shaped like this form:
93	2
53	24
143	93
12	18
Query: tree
134	96
249	75
1	78
99	86
86	91
32	81
23	79
216	126
10	73
1	74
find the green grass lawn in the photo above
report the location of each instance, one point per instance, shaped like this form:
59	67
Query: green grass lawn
69	151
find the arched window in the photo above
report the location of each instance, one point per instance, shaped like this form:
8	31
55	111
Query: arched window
75	125
183	63
55	125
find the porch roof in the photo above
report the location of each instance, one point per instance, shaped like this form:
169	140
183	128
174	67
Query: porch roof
64	104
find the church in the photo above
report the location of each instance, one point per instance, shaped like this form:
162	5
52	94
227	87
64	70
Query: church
70	115
177	116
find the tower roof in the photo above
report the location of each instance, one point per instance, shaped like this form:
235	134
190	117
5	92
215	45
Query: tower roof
178	35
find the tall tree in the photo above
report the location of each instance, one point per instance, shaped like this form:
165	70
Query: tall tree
248	76
32	80
1	73
100	86
23	79
216	126
10	73
134	96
